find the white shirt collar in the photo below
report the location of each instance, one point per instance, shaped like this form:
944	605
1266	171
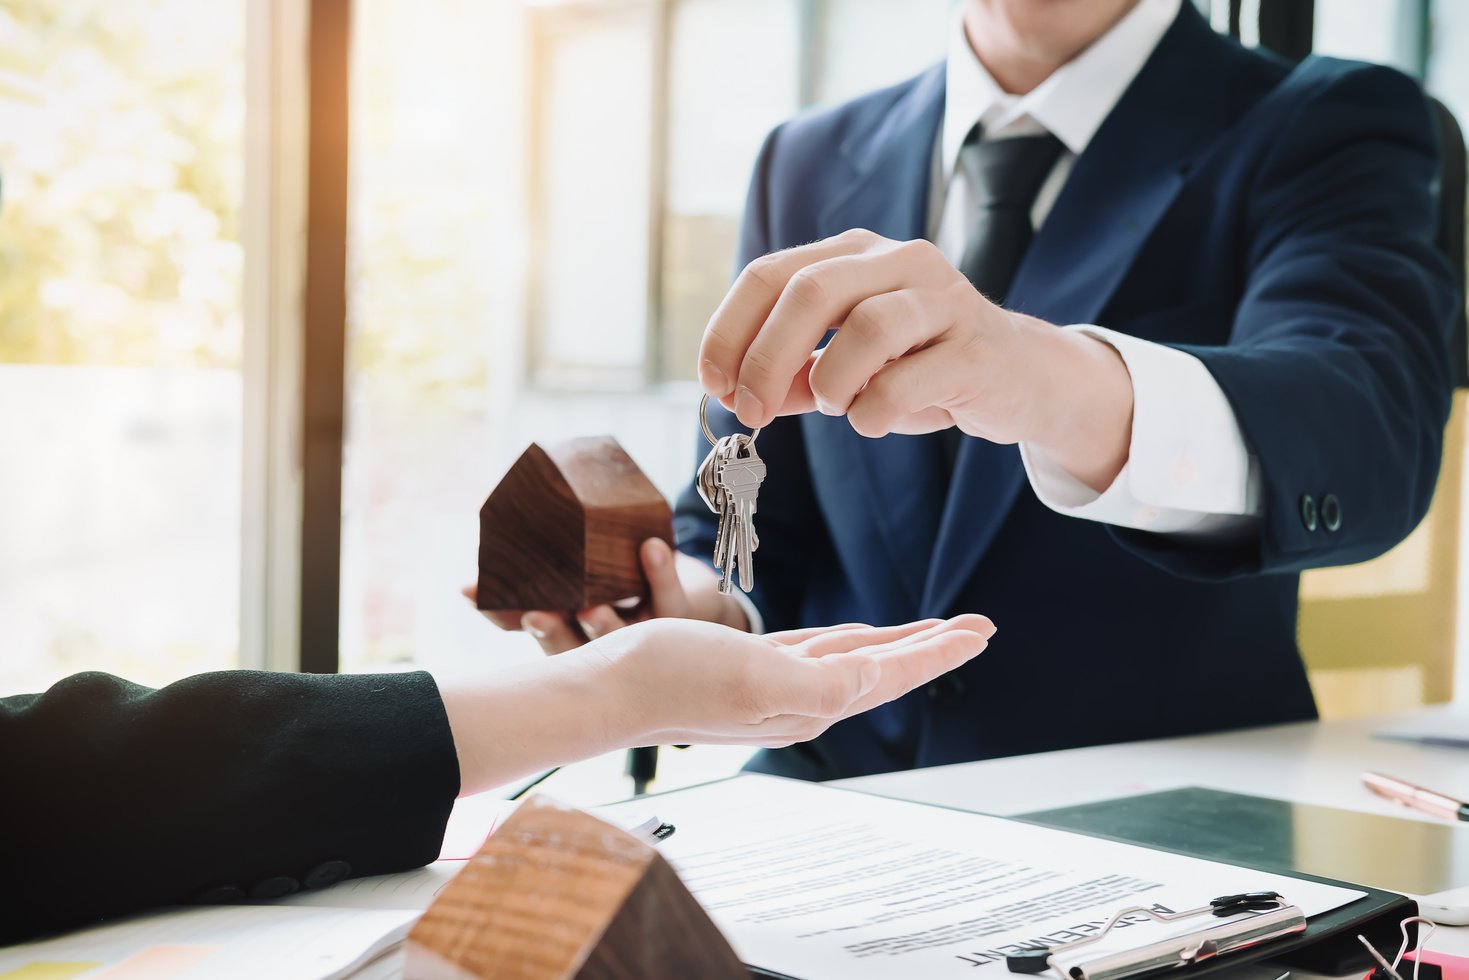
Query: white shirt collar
1071	103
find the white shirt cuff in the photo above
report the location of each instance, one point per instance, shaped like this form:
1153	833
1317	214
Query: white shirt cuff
1188	467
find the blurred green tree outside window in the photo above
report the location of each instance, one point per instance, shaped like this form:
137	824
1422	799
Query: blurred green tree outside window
122	158
121	137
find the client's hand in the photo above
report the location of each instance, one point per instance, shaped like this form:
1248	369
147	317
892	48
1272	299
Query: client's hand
777	689
681	588
639	686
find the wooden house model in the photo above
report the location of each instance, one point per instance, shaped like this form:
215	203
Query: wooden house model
562	529
557	893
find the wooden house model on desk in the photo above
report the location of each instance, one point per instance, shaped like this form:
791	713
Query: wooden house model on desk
562	529
557	894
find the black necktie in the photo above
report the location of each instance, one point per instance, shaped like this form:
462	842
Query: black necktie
1004	176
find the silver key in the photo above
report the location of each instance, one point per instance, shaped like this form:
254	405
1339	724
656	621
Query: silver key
709	491
740	474
734	501
726	546
713	495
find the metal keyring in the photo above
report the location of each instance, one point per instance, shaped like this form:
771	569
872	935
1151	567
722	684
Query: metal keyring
708	432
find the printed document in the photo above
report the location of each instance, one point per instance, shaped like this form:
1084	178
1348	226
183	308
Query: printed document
816	882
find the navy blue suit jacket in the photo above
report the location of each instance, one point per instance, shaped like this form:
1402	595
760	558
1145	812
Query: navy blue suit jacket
1274	221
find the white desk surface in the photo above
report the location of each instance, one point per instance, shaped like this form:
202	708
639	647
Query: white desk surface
1316	762
1310	762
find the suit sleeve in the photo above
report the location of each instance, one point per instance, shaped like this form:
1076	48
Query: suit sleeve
1338	364
787	514
221	787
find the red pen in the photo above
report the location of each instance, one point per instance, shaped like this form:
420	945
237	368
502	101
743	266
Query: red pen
1417	797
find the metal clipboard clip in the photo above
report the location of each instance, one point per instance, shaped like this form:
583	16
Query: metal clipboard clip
1248	920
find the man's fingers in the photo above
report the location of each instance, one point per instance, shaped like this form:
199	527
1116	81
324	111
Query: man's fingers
505	620
816	298
510	620
918	383
879	329
599	621
799	398
739	319
660	565
923	421
553	632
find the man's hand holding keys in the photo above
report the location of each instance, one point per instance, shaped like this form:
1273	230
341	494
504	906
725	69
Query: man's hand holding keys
917	349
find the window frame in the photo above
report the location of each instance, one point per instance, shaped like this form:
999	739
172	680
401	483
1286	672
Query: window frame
544	20
295	237
272	229
545	24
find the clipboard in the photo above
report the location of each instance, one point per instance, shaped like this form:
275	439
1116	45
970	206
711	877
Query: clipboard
1328	946
1327	943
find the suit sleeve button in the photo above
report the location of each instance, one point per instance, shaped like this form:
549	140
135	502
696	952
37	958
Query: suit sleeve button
326	873
1308	511
278	887
220	895
1331	512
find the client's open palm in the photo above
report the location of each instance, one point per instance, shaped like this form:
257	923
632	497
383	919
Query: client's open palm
704	683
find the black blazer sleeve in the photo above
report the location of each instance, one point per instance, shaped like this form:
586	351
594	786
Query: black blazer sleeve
1338	364
219	788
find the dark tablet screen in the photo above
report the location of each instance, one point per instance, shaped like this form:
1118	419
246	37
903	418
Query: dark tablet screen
1386	852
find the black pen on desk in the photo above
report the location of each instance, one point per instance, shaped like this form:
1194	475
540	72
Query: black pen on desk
1417	797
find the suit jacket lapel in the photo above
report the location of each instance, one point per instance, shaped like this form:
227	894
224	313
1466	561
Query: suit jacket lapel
1126	179
880	494
1118	190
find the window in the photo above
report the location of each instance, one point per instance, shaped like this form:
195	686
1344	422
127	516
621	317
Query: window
1428	39
545	201
808	53
868	44
1384	31
544	205
121	153
682	92
1445	48
435	267
591	190
714	132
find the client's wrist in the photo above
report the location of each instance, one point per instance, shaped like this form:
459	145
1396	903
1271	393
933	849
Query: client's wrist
623	685
536	715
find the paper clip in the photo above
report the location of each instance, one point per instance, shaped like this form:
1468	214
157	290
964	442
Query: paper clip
1250	918
1386	969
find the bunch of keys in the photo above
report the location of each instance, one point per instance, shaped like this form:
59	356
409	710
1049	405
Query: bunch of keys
729	480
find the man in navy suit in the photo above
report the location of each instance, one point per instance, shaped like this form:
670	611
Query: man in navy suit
1106	327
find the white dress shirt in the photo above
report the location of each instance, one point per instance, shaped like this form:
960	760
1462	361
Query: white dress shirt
1188	469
